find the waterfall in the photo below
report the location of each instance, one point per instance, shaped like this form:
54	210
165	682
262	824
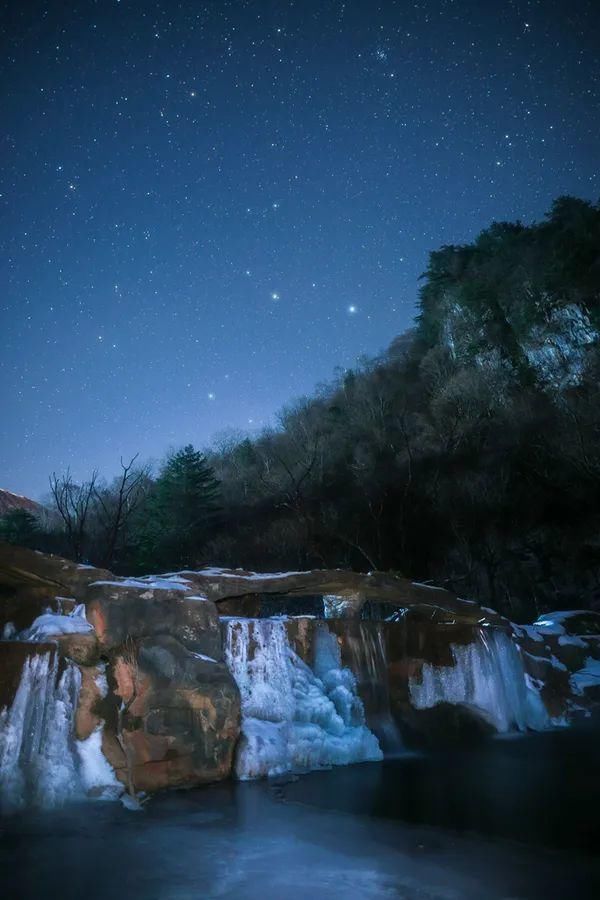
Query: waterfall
488	676
294	717
368	661
41	763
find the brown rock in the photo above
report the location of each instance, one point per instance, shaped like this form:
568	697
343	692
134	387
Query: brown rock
120	612
81	648
87	715
181	719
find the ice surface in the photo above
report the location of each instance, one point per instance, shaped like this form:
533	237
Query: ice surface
49	624
294	718
489	677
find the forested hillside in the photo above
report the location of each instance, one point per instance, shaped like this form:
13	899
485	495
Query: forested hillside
468	454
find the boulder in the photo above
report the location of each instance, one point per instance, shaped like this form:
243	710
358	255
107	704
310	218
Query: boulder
179	718
119	612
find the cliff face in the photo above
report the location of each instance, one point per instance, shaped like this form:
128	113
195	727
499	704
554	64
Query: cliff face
10	501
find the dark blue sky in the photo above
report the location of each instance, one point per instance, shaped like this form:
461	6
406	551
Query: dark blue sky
207	207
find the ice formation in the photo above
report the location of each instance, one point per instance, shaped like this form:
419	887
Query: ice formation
41	763
50	623
488	676
294	717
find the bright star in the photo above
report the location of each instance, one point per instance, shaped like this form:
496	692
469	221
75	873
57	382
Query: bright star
274	295
352	309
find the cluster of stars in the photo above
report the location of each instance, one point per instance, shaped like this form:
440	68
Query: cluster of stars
207	211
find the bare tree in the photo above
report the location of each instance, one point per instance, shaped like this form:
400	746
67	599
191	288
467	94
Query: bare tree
73	504
115	506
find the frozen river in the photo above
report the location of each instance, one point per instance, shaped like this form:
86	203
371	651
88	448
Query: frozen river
516	819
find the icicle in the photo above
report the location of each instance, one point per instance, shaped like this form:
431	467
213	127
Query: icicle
488	676
41	763
293	717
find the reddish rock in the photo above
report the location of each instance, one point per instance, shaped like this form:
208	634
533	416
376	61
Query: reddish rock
181	716
88	715
119	613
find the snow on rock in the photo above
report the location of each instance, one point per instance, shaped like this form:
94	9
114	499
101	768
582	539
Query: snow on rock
566	640
49	624
489	677
147	583
294	718
528	631
587	677
560	622
247	576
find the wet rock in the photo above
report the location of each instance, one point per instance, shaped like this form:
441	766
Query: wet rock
445	725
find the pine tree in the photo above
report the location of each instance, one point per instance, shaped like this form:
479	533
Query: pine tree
20	527
183	508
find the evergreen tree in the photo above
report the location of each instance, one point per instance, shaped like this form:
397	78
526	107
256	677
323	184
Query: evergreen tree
20	527
182	511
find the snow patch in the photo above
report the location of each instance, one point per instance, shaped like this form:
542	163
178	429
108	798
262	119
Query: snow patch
586	677
146	584
49	624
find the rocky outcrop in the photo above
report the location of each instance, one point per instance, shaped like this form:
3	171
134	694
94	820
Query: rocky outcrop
10	502
168	705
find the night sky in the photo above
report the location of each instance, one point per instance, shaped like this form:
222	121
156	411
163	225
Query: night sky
208	207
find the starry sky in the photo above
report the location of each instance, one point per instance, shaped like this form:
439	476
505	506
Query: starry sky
208	207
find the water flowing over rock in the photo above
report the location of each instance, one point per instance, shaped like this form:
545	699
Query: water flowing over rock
294	717
488	677
364	650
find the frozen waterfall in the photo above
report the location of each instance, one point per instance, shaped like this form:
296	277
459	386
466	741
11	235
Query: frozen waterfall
41	763
488	676
294	717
